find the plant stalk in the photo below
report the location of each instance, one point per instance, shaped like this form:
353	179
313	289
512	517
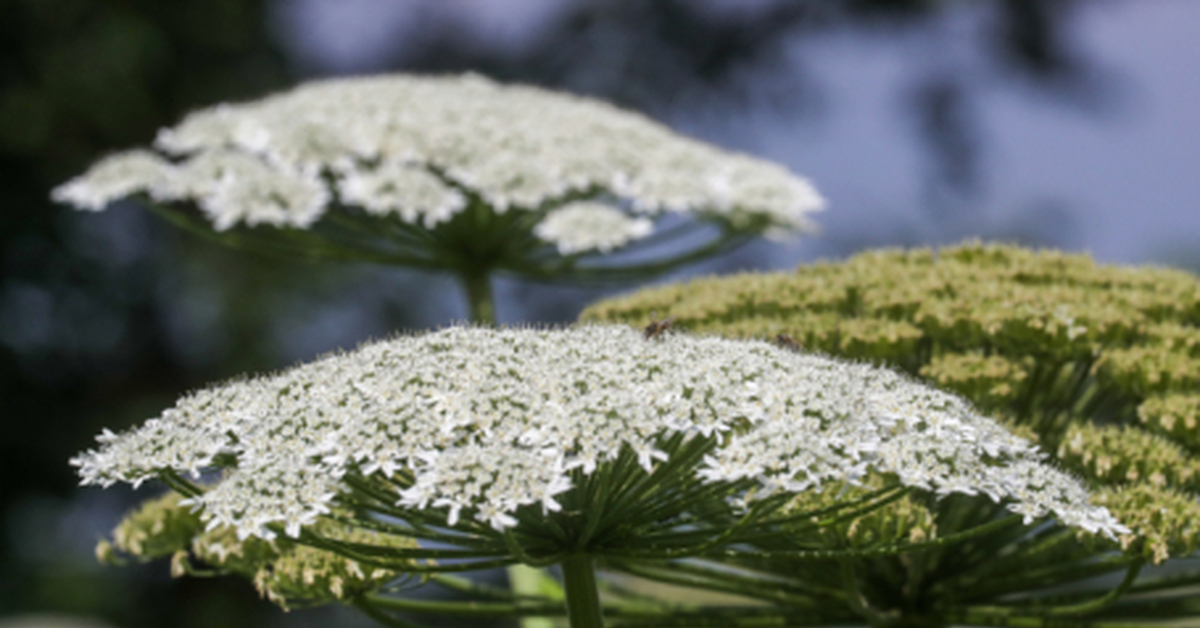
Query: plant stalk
478	286
583	599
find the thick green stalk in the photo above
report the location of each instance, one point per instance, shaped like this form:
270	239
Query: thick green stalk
478	286
583	599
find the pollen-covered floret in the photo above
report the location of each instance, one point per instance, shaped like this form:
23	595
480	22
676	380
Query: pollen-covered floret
482	422
421	147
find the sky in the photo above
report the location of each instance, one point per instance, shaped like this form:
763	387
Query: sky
1127	175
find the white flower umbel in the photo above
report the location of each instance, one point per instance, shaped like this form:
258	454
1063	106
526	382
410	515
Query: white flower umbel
588	226
484	425
514	146
457	173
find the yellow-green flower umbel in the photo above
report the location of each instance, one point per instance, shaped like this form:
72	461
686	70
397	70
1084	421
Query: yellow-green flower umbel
456	174
1099	364
572	446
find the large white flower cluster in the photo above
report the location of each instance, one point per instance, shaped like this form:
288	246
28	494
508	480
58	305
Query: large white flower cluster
422	147
485	421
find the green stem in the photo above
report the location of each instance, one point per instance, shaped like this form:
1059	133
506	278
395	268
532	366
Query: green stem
180	485
471	588
858	602
382	617
870	552
766	588
459	608
1082	608
1067	571
1168	582
583	599
758	511
478	286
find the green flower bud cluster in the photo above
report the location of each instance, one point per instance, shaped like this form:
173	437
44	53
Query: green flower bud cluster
1176	415
906	520
1167	521
1151	369
987	298
1099	364
158	527
292	573
284	572
1118	454
994	381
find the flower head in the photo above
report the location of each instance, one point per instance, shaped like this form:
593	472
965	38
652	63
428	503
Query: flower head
484	424
421	148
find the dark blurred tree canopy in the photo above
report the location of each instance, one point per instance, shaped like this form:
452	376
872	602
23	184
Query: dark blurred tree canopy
107	318
84	323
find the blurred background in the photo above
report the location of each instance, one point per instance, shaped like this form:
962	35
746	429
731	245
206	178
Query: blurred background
1066	123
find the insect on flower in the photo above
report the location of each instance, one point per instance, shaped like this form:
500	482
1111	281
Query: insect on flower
657	328
784	341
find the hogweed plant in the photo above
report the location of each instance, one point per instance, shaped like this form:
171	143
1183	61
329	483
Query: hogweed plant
407	461
1098	364
453	174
